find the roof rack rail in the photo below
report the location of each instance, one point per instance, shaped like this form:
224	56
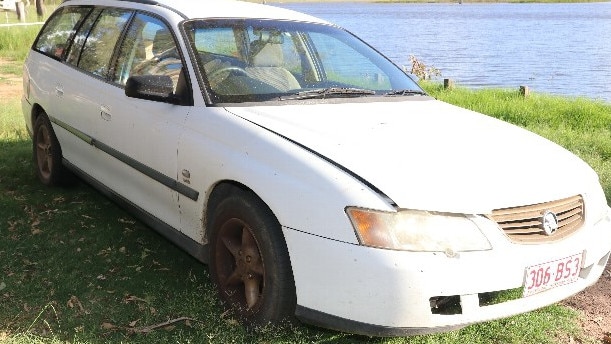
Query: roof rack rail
153	3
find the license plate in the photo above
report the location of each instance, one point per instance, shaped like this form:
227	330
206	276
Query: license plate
552	274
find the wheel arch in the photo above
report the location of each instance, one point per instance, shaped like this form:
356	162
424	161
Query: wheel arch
37	110
224	189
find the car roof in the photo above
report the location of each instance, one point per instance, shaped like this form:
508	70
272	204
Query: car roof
190	9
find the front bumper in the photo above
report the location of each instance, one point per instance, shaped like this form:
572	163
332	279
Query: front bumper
390	293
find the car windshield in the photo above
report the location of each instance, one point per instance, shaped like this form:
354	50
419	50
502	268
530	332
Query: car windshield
249	60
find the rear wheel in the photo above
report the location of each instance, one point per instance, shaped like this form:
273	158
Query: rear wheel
47	152
249	261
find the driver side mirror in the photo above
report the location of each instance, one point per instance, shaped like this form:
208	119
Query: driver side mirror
159	88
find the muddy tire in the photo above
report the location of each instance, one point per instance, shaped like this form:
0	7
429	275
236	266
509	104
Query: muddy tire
249	261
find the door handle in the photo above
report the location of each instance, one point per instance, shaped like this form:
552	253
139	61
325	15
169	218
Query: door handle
105	113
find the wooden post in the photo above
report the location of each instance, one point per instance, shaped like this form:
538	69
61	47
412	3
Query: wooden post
524	91
448	84
20	8
40	9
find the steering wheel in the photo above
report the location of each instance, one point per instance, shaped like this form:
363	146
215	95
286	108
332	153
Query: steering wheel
217	76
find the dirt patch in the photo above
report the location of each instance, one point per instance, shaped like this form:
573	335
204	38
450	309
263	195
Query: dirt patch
10	84
594	304
9	88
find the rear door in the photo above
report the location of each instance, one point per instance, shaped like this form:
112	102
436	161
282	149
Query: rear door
48	74
78	91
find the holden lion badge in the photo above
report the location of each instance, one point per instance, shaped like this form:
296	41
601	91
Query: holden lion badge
550	223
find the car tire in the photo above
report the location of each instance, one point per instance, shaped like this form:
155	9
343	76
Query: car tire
47	153
249	261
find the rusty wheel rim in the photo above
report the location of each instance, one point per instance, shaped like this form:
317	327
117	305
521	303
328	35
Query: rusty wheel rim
43	152
239	265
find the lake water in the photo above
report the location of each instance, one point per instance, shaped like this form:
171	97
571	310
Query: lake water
562	49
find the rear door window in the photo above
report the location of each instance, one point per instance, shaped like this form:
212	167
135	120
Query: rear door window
80	38
101	42
59	30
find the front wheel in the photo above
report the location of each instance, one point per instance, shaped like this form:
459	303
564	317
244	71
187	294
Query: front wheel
249	261
47	153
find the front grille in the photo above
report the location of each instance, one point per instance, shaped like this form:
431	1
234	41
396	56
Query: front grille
525	224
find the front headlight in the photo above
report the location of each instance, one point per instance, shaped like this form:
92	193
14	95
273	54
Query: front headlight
416	230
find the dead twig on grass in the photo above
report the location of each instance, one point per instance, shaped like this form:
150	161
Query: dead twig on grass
147	329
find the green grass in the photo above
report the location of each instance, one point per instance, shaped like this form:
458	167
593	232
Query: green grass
12	128
10	17
15	43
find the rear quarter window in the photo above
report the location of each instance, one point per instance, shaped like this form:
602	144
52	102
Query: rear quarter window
57	33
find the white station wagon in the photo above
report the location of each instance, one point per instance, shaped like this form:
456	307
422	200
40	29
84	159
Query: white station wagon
314	176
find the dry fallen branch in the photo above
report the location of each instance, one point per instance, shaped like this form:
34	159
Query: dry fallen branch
151	328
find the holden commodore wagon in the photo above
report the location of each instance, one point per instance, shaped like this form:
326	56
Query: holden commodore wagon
315	178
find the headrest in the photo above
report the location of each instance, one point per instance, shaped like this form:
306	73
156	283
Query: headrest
162	42
268	55
269	36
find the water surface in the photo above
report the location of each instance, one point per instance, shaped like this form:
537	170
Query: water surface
562	49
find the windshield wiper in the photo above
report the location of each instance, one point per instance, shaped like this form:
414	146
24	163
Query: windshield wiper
329	92
405	93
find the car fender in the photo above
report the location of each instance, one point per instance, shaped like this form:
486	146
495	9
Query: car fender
294	182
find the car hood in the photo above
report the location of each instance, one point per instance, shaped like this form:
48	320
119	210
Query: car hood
429	155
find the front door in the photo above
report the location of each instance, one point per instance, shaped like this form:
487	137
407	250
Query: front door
139	136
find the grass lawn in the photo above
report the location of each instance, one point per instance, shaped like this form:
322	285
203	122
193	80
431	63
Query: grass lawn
76	268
